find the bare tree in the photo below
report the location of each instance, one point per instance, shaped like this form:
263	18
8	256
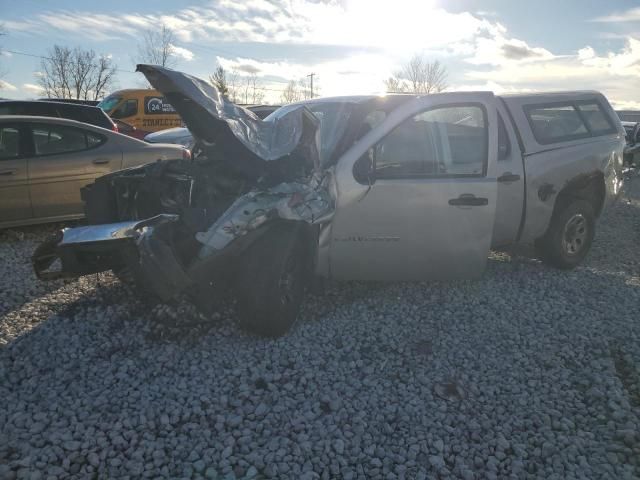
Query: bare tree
252	90
394	85
103	77
81	66
436	77
418	75
157	47
233	85
76	73
292	93
56	73
219	80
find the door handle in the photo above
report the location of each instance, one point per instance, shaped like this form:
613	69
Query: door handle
468	200
508	177
8	171
101	161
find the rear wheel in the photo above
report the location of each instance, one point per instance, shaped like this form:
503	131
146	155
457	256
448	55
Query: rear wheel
569	236
271	284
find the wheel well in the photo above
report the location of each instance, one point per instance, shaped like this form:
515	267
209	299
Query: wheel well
589	187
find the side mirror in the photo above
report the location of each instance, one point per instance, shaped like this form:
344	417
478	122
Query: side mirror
364	169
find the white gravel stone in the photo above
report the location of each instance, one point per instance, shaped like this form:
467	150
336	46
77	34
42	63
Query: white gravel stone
528	373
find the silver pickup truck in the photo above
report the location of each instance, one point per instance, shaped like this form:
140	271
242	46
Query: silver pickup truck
401	187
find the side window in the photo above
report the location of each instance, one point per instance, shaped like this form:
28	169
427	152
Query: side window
598	121
52	139
447	141
9	142
126	109
504	145
94	140
557	123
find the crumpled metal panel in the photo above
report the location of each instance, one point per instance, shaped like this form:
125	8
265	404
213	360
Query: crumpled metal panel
309	202
269	140
112	231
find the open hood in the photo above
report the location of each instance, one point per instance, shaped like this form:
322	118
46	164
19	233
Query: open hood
236	132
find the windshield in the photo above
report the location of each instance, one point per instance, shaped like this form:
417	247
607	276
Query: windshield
333	116
109	103
342	123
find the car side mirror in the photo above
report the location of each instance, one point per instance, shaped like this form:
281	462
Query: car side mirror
364	169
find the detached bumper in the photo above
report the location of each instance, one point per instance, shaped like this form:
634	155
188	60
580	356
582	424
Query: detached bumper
74	252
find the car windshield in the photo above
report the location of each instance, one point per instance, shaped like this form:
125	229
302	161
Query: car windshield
333	116
109	103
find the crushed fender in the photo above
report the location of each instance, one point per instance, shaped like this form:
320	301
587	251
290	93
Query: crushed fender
178	224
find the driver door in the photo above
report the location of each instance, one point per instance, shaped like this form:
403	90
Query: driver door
427	209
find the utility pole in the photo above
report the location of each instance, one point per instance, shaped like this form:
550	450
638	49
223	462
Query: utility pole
311	76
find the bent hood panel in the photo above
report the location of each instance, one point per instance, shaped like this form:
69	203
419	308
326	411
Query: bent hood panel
214	119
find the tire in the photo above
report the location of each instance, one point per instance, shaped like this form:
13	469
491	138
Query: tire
569	236
271	283
145	295
127	278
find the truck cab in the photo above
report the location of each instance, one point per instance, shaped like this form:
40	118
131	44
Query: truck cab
449	176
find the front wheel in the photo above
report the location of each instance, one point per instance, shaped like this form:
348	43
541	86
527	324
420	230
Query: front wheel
569	236
271	284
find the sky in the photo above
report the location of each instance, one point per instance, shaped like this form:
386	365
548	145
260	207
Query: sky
350	45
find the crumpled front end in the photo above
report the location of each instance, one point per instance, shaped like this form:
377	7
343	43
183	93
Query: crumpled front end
247	144
169	252
179	223
90	249
309	202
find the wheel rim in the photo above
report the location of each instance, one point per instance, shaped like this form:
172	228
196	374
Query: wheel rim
287	282
575	234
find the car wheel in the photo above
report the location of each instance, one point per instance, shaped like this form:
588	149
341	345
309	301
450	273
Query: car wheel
271	284
127	277
569	236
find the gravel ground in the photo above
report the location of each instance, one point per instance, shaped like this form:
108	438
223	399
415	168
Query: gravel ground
527	373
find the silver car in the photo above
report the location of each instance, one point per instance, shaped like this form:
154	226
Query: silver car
44	162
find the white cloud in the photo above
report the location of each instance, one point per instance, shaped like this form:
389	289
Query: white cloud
4	53
631	15
354	74
219	21
4	85
410	24
624	62
354	23
17	25
182	53
32	88
249	66
625	104
491	56
614	73
498	50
